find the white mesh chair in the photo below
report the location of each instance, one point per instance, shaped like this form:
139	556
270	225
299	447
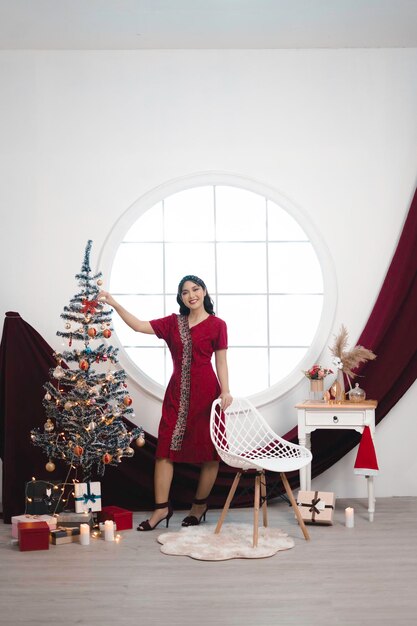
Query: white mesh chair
243	439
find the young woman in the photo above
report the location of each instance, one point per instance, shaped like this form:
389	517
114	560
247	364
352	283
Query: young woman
184	430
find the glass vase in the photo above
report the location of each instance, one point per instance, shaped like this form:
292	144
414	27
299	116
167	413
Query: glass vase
339	387
357	394
316	390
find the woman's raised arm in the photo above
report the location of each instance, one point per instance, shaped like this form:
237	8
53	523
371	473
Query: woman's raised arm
132	321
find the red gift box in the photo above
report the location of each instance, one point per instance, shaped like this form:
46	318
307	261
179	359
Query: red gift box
122	517
33	536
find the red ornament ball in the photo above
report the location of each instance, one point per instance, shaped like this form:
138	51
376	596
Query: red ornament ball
107	458
84	365
78	450
127	400
91	332
106	333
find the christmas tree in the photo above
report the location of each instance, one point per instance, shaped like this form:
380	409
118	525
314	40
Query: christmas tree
85	407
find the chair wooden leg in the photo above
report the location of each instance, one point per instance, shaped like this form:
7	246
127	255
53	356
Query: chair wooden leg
227	503
256	509
263	496
294	506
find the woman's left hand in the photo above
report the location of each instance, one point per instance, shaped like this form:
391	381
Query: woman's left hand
226	400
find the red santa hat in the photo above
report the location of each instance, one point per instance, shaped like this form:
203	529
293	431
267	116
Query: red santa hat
366	463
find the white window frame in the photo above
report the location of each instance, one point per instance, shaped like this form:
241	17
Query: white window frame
152	197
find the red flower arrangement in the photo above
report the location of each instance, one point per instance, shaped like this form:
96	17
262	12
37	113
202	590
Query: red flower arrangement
317	372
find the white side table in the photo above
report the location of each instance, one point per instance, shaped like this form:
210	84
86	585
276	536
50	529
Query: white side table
347	415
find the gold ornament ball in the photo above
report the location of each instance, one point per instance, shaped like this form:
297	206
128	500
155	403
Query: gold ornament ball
91	332
58	372
67	325
48	426
48	396
50	466
140	441
127	400
68	406
99	282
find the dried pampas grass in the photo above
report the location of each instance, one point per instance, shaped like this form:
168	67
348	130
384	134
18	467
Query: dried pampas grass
352	358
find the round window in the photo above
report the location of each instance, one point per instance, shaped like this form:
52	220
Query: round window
264	268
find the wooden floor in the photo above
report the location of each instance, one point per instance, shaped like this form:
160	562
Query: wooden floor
342	577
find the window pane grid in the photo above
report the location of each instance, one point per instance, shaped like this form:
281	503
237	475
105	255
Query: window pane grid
223	293
164	283
261	264
216	282
267	290
213	241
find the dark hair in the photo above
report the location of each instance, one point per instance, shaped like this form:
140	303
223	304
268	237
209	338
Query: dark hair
208	302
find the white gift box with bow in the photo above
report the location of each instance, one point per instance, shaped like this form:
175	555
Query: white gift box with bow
87	497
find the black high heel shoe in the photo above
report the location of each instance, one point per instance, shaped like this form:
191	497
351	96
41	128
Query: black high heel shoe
192	520
145	525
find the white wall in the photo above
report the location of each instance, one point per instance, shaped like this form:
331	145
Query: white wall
84	134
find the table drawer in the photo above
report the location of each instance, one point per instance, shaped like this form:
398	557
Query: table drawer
335	418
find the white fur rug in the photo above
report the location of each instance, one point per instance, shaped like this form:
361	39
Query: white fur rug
233	542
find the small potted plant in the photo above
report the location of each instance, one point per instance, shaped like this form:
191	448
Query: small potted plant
316	375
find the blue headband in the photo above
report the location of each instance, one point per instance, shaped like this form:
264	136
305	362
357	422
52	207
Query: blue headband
194	279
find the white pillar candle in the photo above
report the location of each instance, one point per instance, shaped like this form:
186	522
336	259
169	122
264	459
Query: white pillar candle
349	517
109	530
84	534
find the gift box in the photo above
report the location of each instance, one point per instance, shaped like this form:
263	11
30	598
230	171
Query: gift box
87	497
64	534
33	536
70	518
122	517
316	507
16	519
43	497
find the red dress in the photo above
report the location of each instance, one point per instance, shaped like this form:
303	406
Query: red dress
184	429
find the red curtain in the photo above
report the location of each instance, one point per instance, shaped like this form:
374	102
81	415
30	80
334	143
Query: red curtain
391	332
25	359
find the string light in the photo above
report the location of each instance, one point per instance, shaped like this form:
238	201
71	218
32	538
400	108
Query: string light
90	420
